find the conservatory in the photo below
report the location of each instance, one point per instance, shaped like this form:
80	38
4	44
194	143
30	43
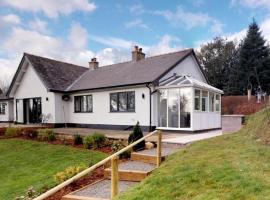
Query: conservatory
187	104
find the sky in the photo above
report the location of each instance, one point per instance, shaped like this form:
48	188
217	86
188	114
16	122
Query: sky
77	30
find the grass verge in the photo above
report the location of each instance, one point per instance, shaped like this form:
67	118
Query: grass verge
228	167
25	163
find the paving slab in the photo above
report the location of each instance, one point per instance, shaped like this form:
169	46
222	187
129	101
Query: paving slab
192	138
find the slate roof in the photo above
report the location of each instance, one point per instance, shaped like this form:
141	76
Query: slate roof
129	73
55	75
66	77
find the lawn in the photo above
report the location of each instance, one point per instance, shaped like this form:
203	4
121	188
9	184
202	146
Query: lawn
25	163
228	167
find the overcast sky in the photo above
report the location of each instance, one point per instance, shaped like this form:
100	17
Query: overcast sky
77	30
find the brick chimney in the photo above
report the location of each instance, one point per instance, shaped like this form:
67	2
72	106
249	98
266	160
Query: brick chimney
137	54
93	64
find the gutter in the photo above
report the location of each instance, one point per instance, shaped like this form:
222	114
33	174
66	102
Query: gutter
150	102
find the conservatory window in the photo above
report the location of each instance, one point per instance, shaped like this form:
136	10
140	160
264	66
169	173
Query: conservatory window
197	100
163	97
204	101
217	102
211	101
173	108
185	107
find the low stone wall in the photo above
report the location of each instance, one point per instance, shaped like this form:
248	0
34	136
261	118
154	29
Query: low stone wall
232	123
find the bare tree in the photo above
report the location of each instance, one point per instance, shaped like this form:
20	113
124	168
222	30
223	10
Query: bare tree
4	85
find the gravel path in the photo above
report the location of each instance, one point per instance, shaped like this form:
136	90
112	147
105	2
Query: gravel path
102	189
136	166
165	151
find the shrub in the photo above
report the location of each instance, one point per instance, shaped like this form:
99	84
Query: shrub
117	146
30	133
94	141
77	139
46	135
88	142
68	173
2	131
12	131
99	139
136	135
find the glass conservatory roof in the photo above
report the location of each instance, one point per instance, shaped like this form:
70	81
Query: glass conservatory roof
186	81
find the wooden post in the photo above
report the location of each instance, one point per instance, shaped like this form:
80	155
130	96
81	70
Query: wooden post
159	137
249	94
114	176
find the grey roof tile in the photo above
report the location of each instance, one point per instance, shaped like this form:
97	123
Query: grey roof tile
129	73
56	75
61	76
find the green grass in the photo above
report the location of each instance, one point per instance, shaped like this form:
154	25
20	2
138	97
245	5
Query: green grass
26	163
228	167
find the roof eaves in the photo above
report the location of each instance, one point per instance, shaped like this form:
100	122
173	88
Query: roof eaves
16	74
103	88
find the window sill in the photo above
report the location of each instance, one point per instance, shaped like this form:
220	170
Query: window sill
83	112
122	112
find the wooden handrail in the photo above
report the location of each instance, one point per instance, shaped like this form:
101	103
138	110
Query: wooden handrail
90	169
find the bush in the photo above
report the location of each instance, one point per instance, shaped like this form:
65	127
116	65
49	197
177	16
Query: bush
94	141
117	146
136	135
88	142
99	139
68	173
77	139
2	131
30	133
12	131
46	135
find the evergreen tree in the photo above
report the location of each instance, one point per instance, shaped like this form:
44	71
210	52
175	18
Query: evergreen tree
254	70
217	58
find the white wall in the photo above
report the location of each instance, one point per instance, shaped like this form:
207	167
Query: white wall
206	120
188	66
8	116
101	109
30	87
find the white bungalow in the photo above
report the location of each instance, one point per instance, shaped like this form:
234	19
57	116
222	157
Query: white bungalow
168	91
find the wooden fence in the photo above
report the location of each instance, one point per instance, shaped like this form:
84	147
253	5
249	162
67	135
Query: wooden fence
114	158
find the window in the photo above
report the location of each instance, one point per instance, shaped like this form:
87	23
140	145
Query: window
3	108
83	103
162	108
204	101
197	100
122	102
211	101
217	102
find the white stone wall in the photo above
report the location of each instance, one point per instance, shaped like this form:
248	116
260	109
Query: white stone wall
31	87
101	109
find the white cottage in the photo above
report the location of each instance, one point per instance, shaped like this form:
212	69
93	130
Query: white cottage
167	91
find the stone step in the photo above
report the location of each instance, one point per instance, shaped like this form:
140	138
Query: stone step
132	170
150	155
100	190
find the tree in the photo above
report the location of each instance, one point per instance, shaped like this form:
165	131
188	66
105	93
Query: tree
217	58
254	60
4	85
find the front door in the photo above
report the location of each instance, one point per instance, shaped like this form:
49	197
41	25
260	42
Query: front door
32	110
